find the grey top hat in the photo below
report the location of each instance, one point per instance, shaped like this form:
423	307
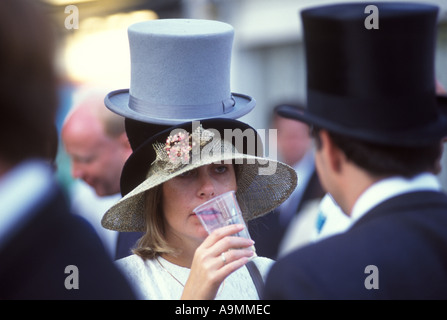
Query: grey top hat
180	71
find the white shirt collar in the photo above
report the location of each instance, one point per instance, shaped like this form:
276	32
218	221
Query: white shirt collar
391	187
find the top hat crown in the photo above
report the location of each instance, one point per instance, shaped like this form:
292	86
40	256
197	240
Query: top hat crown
180	71
378	84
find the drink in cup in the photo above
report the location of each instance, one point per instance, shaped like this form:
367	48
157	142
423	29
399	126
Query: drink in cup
222	211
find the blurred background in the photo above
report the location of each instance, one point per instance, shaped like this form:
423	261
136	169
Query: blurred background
268	57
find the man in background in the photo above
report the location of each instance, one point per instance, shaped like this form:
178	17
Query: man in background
294	147
378	126
96	141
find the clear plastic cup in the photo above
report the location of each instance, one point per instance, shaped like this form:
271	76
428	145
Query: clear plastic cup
222	211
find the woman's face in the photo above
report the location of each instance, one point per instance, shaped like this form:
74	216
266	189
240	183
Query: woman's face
185	192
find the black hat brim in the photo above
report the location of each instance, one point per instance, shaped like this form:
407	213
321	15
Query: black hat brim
415	136
137	165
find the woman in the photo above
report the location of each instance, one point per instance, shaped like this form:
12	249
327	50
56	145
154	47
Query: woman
176	258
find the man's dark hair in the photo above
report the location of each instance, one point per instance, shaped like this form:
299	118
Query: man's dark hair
384	160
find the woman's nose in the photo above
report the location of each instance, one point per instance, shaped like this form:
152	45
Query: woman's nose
206	189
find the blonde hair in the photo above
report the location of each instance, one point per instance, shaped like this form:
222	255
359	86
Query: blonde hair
153	242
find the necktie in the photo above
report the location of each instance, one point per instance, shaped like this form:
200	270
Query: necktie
321	219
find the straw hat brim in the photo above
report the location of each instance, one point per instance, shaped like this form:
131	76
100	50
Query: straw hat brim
138	164
262	185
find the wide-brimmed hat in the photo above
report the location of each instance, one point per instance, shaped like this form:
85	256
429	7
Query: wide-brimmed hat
262	184
180	71
137	165
370	74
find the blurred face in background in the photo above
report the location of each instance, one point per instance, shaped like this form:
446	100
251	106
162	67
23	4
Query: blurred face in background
97	158
293	139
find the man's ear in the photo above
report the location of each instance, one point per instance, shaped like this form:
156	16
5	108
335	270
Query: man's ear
334	156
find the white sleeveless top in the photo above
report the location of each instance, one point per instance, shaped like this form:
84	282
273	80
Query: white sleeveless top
151	281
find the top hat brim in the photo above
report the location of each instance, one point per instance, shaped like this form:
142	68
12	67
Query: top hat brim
412	137
118	102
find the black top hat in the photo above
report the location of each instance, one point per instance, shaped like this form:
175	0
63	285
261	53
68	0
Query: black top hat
376	85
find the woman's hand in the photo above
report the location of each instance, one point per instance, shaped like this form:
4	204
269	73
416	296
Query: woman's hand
209	268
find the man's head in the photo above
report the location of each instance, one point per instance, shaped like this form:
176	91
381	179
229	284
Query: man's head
371	94
377	161
97	144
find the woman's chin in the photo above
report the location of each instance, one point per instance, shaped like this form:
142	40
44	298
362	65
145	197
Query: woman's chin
202	233
200	229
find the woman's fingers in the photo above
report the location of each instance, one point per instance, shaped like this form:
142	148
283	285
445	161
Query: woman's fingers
232	248
221	233
222	243
217	257
228	257
223	239
224	252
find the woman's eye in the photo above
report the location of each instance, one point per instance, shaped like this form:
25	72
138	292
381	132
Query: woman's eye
221	169
187	173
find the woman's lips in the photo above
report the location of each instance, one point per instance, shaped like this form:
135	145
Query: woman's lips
211	214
